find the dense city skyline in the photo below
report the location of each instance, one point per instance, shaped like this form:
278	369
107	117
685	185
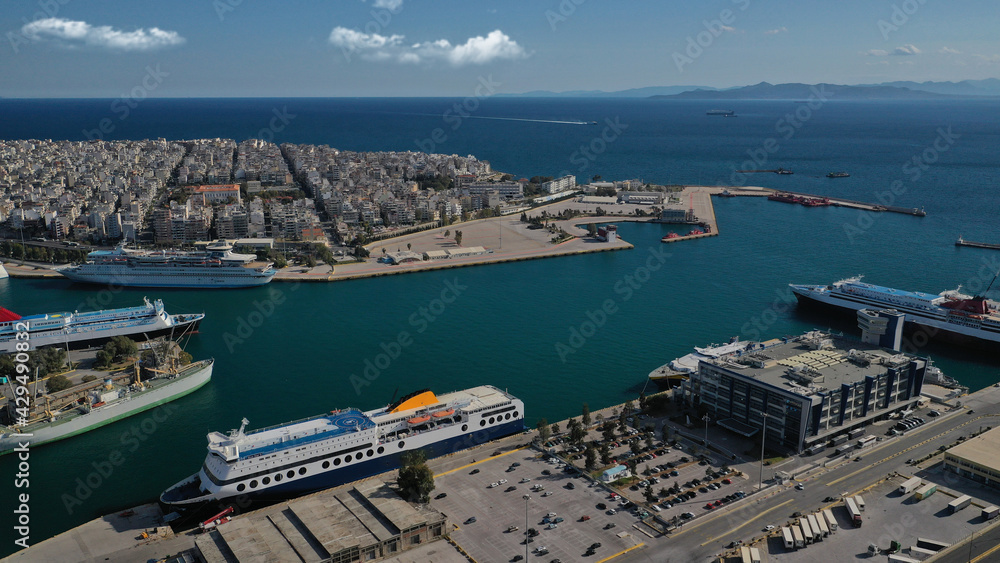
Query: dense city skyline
228	48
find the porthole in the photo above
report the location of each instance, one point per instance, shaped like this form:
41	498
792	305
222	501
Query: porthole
302	471
482	423
515	414
348	458
290	474
492	420
371	453
277	477
241	487
465	427
401	444
326	465
507	416
266	480
336	461
253	484
381	450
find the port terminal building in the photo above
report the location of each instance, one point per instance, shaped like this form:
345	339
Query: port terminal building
367	521
809	388
977	458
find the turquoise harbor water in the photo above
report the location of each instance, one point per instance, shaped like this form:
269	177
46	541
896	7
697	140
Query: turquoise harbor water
286	351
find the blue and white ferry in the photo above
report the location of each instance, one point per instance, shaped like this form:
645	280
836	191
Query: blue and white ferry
80	330
324	451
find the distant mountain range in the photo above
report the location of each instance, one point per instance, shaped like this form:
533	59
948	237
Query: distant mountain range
766	91
646	92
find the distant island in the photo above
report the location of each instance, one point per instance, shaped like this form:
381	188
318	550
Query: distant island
989	87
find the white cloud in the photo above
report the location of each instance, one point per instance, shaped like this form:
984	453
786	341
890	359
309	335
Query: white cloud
906	50
876	53
74	33
949	51
391	5
728	28
776	31
357	41
988	59
496	45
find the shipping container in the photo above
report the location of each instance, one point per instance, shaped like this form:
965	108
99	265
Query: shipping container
990	512
797	536
823	527
807	532
814	525
853	512
925	491
745	554
830	520
959	503
859	502
786	534
909	485
755	555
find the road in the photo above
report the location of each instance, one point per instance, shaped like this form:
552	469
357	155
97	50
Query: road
706	537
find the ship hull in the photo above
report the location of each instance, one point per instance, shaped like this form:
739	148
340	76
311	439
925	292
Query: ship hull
919	326
339	476
174	278
65	428
82	340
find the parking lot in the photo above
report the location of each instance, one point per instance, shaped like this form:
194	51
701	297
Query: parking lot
889	515
575	525
686	484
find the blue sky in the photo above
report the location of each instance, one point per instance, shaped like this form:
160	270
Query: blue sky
80	48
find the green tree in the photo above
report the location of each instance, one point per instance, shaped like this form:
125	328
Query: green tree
642	401
58	383
447	233
585	416
416	480
555	428
608	430
648	493
458	238
590	457
605	454
628	409
121	348
649	441
409	246
544	433
577	433
636	448
592	229
103	359
667	432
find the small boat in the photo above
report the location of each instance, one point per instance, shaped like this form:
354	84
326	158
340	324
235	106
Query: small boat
838	175
696	231
419	419
670	236
783	171
446	412
726	193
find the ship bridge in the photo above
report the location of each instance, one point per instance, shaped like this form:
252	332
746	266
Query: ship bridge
275	438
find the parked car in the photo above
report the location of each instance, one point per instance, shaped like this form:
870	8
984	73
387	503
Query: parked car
440	496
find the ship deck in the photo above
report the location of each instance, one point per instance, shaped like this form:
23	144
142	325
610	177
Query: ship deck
304	432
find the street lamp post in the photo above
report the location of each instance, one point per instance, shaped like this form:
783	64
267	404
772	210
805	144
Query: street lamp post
763	437
706	418
526	498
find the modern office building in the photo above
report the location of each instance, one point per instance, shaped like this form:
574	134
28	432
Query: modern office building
977	458
812	388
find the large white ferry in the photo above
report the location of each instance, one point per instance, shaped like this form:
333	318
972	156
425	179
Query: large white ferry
78	329
343	446
950	314
217	266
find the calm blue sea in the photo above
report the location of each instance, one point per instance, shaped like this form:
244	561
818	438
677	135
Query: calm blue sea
505	326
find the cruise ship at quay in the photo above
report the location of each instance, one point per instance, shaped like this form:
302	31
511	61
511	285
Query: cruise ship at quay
951	314
324	451
76	329
216	267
